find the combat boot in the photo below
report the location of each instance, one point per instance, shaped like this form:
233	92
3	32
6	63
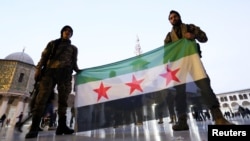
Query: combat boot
62	127
34	129
181	124
218	117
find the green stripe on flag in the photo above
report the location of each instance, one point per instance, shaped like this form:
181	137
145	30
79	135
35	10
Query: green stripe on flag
159	56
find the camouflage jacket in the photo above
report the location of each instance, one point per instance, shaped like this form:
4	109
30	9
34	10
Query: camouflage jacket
59	54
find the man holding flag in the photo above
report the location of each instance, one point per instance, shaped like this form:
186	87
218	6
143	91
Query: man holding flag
57	63
192	32
174	65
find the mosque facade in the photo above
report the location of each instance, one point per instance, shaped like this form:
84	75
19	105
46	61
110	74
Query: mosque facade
16	82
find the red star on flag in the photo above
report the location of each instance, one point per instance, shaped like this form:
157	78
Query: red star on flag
101	91
170	75
135	85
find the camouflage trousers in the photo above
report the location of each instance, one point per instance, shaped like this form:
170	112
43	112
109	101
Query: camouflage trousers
61	79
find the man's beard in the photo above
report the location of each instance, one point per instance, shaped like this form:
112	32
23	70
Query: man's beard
178	23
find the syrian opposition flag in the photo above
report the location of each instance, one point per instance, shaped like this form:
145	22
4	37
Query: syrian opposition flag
111	94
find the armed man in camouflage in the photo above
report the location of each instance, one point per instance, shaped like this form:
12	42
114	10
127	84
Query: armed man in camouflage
192	32
57	63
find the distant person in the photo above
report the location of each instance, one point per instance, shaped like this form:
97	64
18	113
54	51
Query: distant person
171	106
192	32
170	101
20	118
54	117
7	122
72	117
2	120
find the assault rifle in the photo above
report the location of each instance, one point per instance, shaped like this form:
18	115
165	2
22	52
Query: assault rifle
33	95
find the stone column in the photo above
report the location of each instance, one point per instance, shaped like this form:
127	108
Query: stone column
4	105
26	109
20	106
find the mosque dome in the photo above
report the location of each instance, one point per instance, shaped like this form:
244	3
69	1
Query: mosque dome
20	56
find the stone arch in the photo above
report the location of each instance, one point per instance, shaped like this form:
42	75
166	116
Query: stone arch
225	105
245	103
235	106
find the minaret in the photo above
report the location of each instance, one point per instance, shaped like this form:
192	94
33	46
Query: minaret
23	49
22	55
138	50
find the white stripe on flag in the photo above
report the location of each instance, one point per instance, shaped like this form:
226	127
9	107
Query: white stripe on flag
191	69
